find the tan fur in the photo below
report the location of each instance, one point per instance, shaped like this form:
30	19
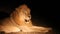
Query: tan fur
16	22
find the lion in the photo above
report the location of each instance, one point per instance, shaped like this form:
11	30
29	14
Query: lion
20	21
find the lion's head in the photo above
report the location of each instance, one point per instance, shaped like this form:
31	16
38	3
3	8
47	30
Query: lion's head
22	15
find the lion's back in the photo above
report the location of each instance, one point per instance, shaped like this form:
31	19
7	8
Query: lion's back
4	21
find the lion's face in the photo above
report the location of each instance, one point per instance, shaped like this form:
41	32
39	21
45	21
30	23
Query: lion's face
23	13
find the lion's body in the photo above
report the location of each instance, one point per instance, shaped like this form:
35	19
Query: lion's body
19	20
8	26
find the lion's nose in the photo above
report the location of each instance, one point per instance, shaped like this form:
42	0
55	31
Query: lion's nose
26	20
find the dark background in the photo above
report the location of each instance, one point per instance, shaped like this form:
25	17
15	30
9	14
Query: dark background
43	13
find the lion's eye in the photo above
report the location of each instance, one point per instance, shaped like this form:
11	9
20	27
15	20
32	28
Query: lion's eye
25	12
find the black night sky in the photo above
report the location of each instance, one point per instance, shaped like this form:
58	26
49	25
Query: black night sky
42	12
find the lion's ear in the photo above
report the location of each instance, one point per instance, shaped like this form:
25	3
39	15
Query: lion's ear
16	8
13	14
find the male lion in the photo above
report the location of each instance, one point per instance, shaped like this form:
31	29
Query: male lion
20	20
